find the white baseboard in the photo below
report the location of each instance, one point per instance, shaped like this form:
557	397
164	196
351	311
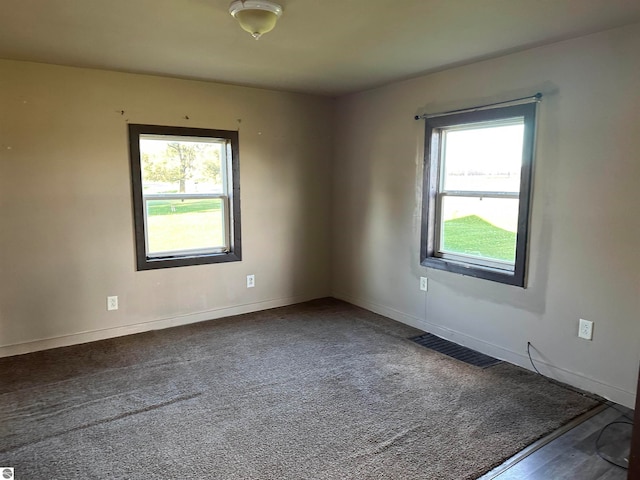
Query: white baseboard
610	392
577	380
103	334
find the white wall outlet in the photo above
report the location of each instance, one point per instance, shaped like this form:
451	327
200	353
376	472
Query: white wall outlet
251	281
424	284
112	303
585	329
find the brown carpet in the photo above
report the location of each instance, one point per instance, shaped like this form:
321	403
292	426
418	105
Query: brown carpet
321	390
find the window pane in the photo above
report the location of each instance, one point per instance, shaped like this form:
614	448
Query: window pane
481	227
185	224
483	158
175	165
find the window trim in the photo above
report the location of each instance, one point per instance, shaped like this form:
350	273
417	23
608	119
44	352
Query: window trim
432	192
231	199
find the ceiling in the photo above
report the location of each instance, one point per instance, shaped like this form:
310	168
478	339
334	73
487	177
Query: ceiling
327	47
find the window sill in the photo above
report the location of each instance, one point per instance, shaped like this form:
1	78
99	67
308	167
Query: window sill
183	261
476	271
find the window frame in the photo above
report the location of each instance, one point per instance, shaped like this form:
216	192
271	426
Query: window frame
432	194
230	169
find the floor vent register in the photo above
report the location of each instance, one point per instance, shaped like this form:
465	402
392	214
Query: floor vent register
456	351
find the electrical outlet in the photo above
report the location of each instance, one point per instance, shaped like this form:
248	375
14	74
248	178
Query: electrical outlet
112	303
424	284
251	281
585	329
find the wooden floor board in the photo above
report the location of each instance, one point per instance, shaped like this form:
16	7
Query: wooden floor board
573	454
614	474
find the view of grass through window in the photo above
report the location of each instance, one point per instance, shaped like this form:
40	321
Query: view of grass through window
184	191
186	196
472	235
476	195
184	224
480	189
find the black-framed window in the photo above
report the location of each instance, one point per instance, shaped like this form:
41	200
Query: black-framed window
477	188
186	195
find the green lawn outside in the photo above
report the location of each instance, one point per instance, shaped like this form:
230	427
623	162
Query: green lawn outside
474	236
164	207
177	225
180	225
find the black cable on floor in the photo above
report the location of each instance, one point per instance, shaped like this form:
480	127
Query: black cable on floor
606	457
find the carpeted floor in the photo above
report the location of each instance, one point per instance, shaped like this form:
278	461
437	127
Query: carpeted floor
321	390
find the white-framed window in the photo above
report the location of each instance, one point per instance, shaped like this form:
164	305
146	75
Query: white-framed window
185	195
477	186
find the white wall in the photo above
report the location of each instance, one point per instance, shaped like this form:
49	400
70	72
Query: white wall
584	252
66	229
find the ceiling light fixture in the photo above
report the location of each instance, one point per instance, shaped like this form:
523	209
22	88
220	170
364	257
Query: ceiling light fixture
256	16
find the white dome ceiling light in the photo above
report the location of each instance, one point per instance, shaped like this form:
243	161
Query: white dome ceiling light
256	16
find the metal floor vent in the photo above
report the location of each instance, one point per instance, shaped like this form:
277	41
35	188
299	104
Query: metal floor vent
456	351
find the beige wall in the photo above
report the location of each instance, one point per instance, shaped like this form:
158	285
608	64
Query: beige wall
585	237
66	235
